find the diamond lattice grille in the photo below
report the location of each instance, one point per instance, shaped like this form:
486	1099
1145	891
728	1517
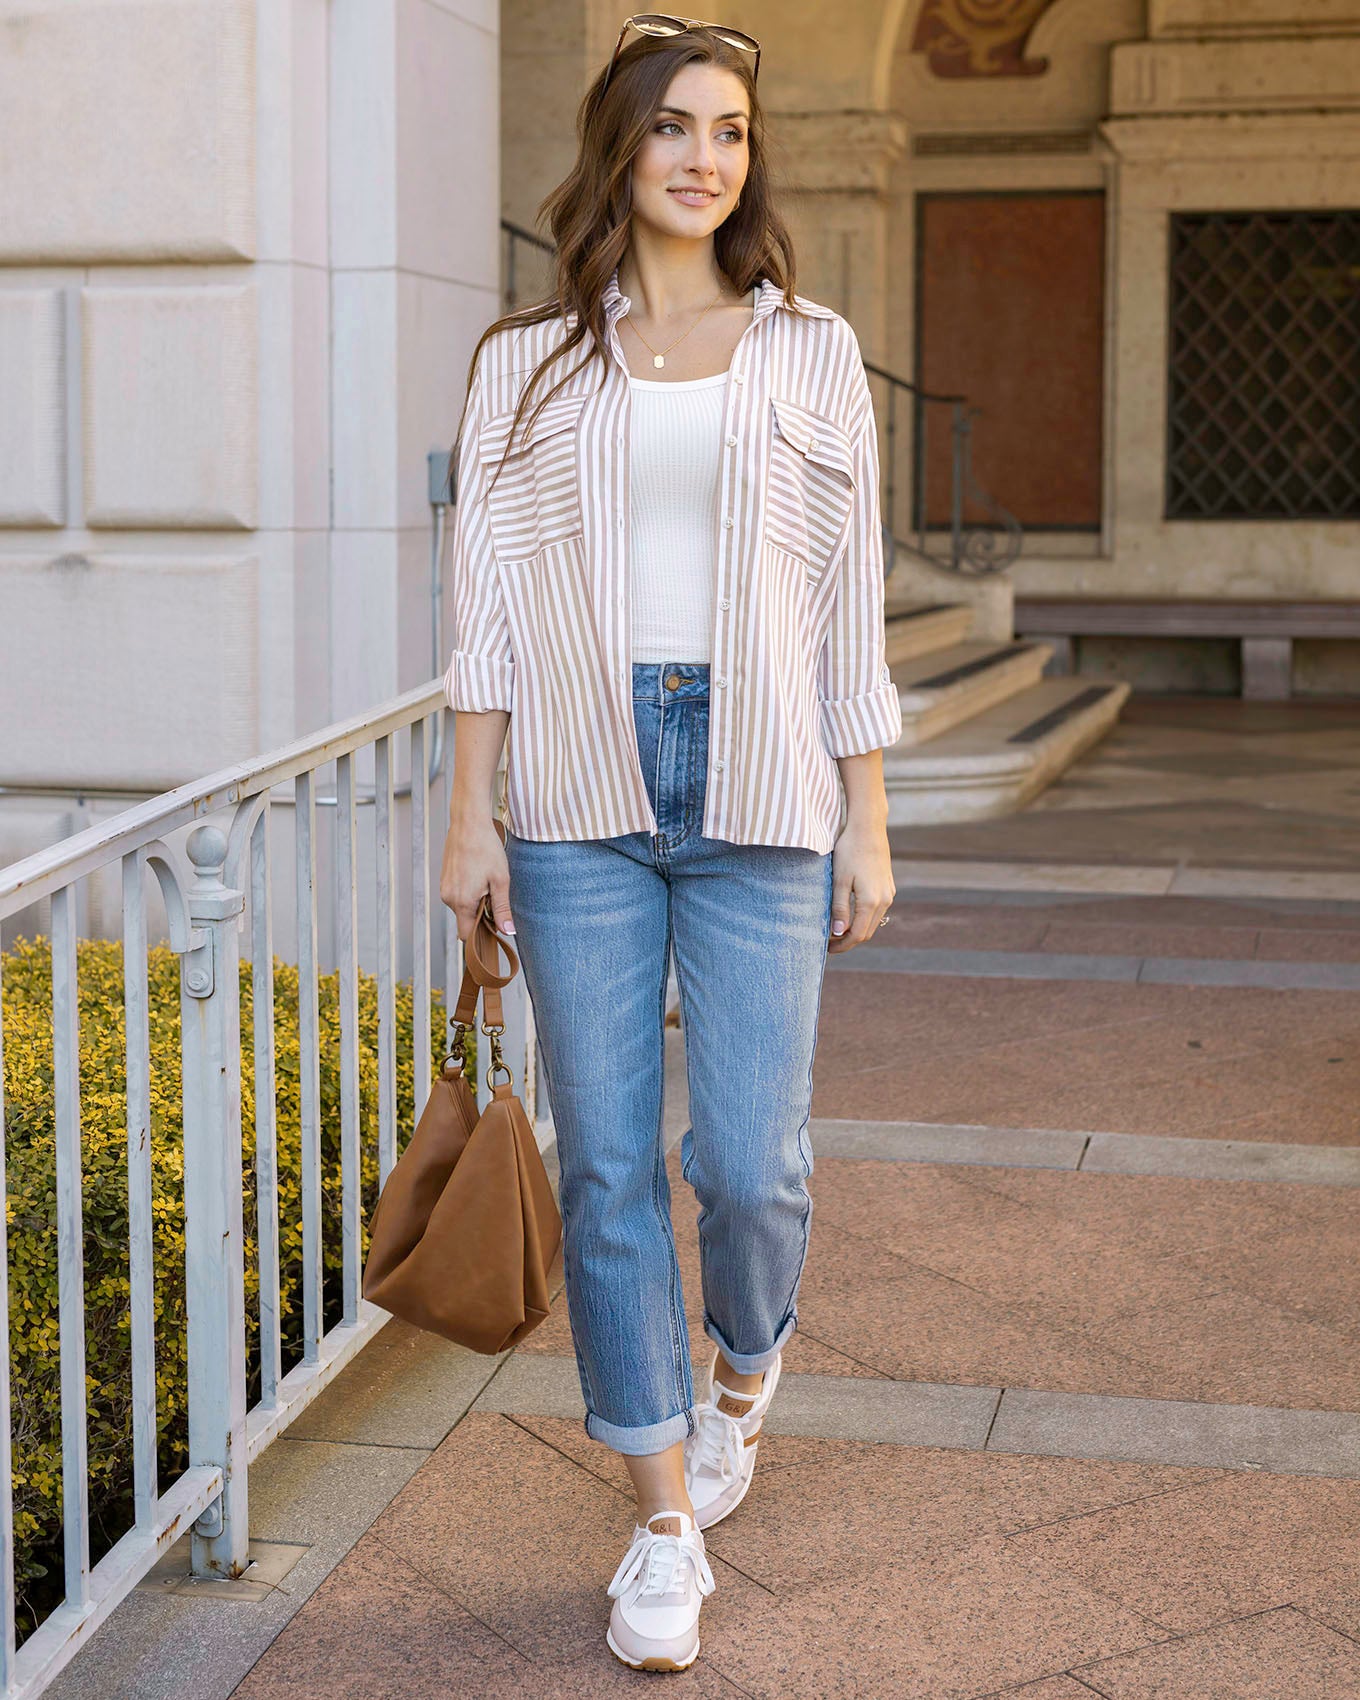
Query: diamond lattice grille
1264	380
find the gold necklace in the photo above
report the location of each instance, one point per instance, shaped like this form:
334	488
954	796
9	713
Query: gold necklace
660	359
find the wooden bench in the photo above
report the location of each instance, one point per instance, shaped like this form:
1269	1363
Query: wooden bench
1266	629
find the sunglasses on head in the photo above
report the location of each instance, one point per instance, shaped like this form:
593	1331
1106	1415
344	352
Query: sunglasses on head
662	23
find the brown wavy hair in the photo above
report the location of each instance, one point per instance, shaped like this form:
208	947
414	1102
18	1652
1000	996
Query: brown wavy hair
589	213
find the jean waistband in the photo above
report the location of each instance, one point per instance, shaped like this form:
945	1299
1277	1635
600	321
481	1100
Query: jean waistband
665	681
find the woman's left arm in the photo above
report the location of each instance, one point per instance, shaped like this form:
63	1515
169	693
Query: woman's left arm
861	709
861	861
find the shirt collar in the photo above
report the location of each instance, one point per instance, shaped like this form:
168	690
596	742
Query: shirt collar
771	296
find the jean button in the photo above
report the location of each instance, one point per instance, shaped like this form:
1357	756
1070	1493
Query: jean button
672	681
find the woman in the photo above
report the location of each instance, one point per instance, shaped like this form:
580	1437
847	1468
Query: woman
670	589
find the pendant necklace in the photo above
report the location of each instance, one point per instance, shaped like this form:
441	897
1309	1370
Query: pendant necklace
660	359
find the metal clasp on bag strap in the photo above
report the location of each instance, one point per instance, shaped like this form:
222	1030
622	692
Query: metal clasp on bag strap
456	1051
498	1062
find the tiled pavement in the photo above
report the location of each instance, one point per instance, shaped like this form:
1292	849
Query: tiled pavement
1061	1431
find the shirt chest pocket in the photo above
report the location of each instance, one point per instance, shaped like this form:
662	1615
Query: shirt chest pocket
811	486
534	499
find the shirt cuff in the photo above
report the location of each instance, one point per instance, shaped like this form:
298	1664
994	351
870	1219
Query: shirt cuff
479	682
853	725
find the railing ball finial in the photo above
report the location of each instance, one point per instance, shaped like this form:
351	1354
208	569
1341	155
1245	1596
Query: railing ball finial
207	850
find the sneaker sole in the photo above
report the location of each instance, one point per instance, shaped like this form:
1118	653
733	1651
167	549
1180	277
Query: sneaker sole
701	1523
650	1664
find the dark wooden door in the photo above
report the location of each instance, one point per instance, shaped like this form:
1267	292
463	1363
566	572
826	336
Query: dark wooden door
1010	313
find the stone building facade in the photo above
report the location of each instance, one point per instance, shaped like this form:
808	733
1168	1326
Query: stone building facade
246	247
1129	232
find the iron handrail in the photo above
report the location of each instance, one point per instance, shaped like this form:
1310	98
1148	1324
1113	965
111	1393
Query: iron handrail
518	233
39	874
973	550
223	881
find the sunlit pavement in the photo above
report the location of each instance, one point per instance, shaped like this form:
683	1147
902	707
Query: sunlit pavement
1072	1405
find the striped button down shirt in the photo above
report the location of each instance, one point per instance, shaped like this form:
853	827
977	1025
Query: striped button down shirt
540	604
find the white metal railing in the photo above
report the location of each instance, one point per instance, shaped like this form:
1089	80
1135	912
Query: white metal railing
225	823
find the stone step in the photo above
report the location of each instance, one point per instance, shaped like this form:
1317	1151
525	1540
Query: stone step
948	686
1003	757
918	628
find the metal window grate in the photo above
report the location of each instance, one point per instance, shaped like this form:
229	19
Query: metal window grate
1264	366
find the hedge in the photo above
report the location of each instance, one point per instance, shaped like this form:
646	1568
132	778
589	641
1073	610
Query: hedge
29	1137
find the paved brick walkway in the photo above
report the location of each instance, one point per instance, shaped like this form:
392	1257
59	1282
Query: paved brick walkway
1046	1430
862	1567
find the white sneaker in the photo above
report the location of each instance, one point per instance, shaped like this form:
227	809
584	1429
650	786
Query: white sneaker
657	1592
720	1455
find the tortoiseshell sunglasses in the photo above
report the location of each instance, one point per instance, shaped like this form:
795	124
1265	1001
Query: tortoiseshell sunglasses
662	23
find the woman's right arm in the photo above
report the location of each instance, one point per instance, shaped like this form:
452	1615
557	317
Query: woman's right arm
474	857
479	686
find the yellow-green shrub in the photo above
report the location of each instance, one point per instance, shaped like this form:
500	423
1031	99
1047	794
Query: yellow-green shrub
29	1129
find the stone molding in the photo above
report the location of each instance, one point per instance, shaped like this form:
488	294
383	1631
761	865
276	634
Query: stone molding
850	151
1227	18
1251	75
1220	140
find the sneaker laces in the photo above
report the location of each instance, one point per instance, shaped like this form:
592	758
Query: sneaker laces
719	1443
667	1560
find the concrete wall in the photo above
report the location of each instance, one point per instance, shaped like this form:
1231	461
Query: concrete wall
246	247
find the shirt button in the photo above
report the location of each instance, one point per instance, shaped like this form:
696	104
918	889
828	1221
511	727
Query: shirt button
719	765
724	603
722	683
738	377
731	442
812	442
728	522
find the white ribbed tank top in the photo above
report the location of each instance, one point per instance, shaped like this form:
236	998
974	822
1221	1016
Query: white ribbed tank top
676	454
673	517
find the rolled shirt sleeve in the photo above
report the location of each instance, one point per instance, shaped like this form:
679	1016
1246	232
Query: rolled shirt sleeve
481	671
861	709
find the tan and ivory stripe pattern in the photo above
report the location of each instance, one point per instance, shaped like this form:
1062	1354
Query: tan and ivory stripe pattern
797	675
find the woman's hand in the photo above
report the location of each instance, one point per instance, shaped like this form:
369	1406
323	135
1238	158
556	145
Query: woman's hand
861	865
475	863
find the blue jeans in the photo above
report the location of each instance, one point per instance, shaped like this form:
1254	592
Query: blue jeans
596	920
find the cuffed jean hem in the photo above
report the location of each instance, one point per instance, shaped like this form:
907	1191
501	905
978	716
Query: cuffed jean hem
638	1442
751	1363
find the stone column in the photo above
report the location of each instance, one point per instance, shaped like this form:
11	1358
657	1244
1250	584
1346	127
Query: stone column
832	172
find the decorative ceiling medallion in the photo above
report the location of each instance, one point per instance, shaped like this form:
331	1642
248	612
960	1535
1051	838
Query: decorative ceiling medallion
979	38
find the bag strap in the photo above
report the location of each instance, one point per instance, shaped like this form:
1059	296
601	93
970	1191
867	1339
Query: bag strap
481	974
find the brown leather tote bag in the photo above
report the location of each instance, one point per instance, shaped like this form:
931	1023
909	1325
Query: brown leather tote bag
466	1238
